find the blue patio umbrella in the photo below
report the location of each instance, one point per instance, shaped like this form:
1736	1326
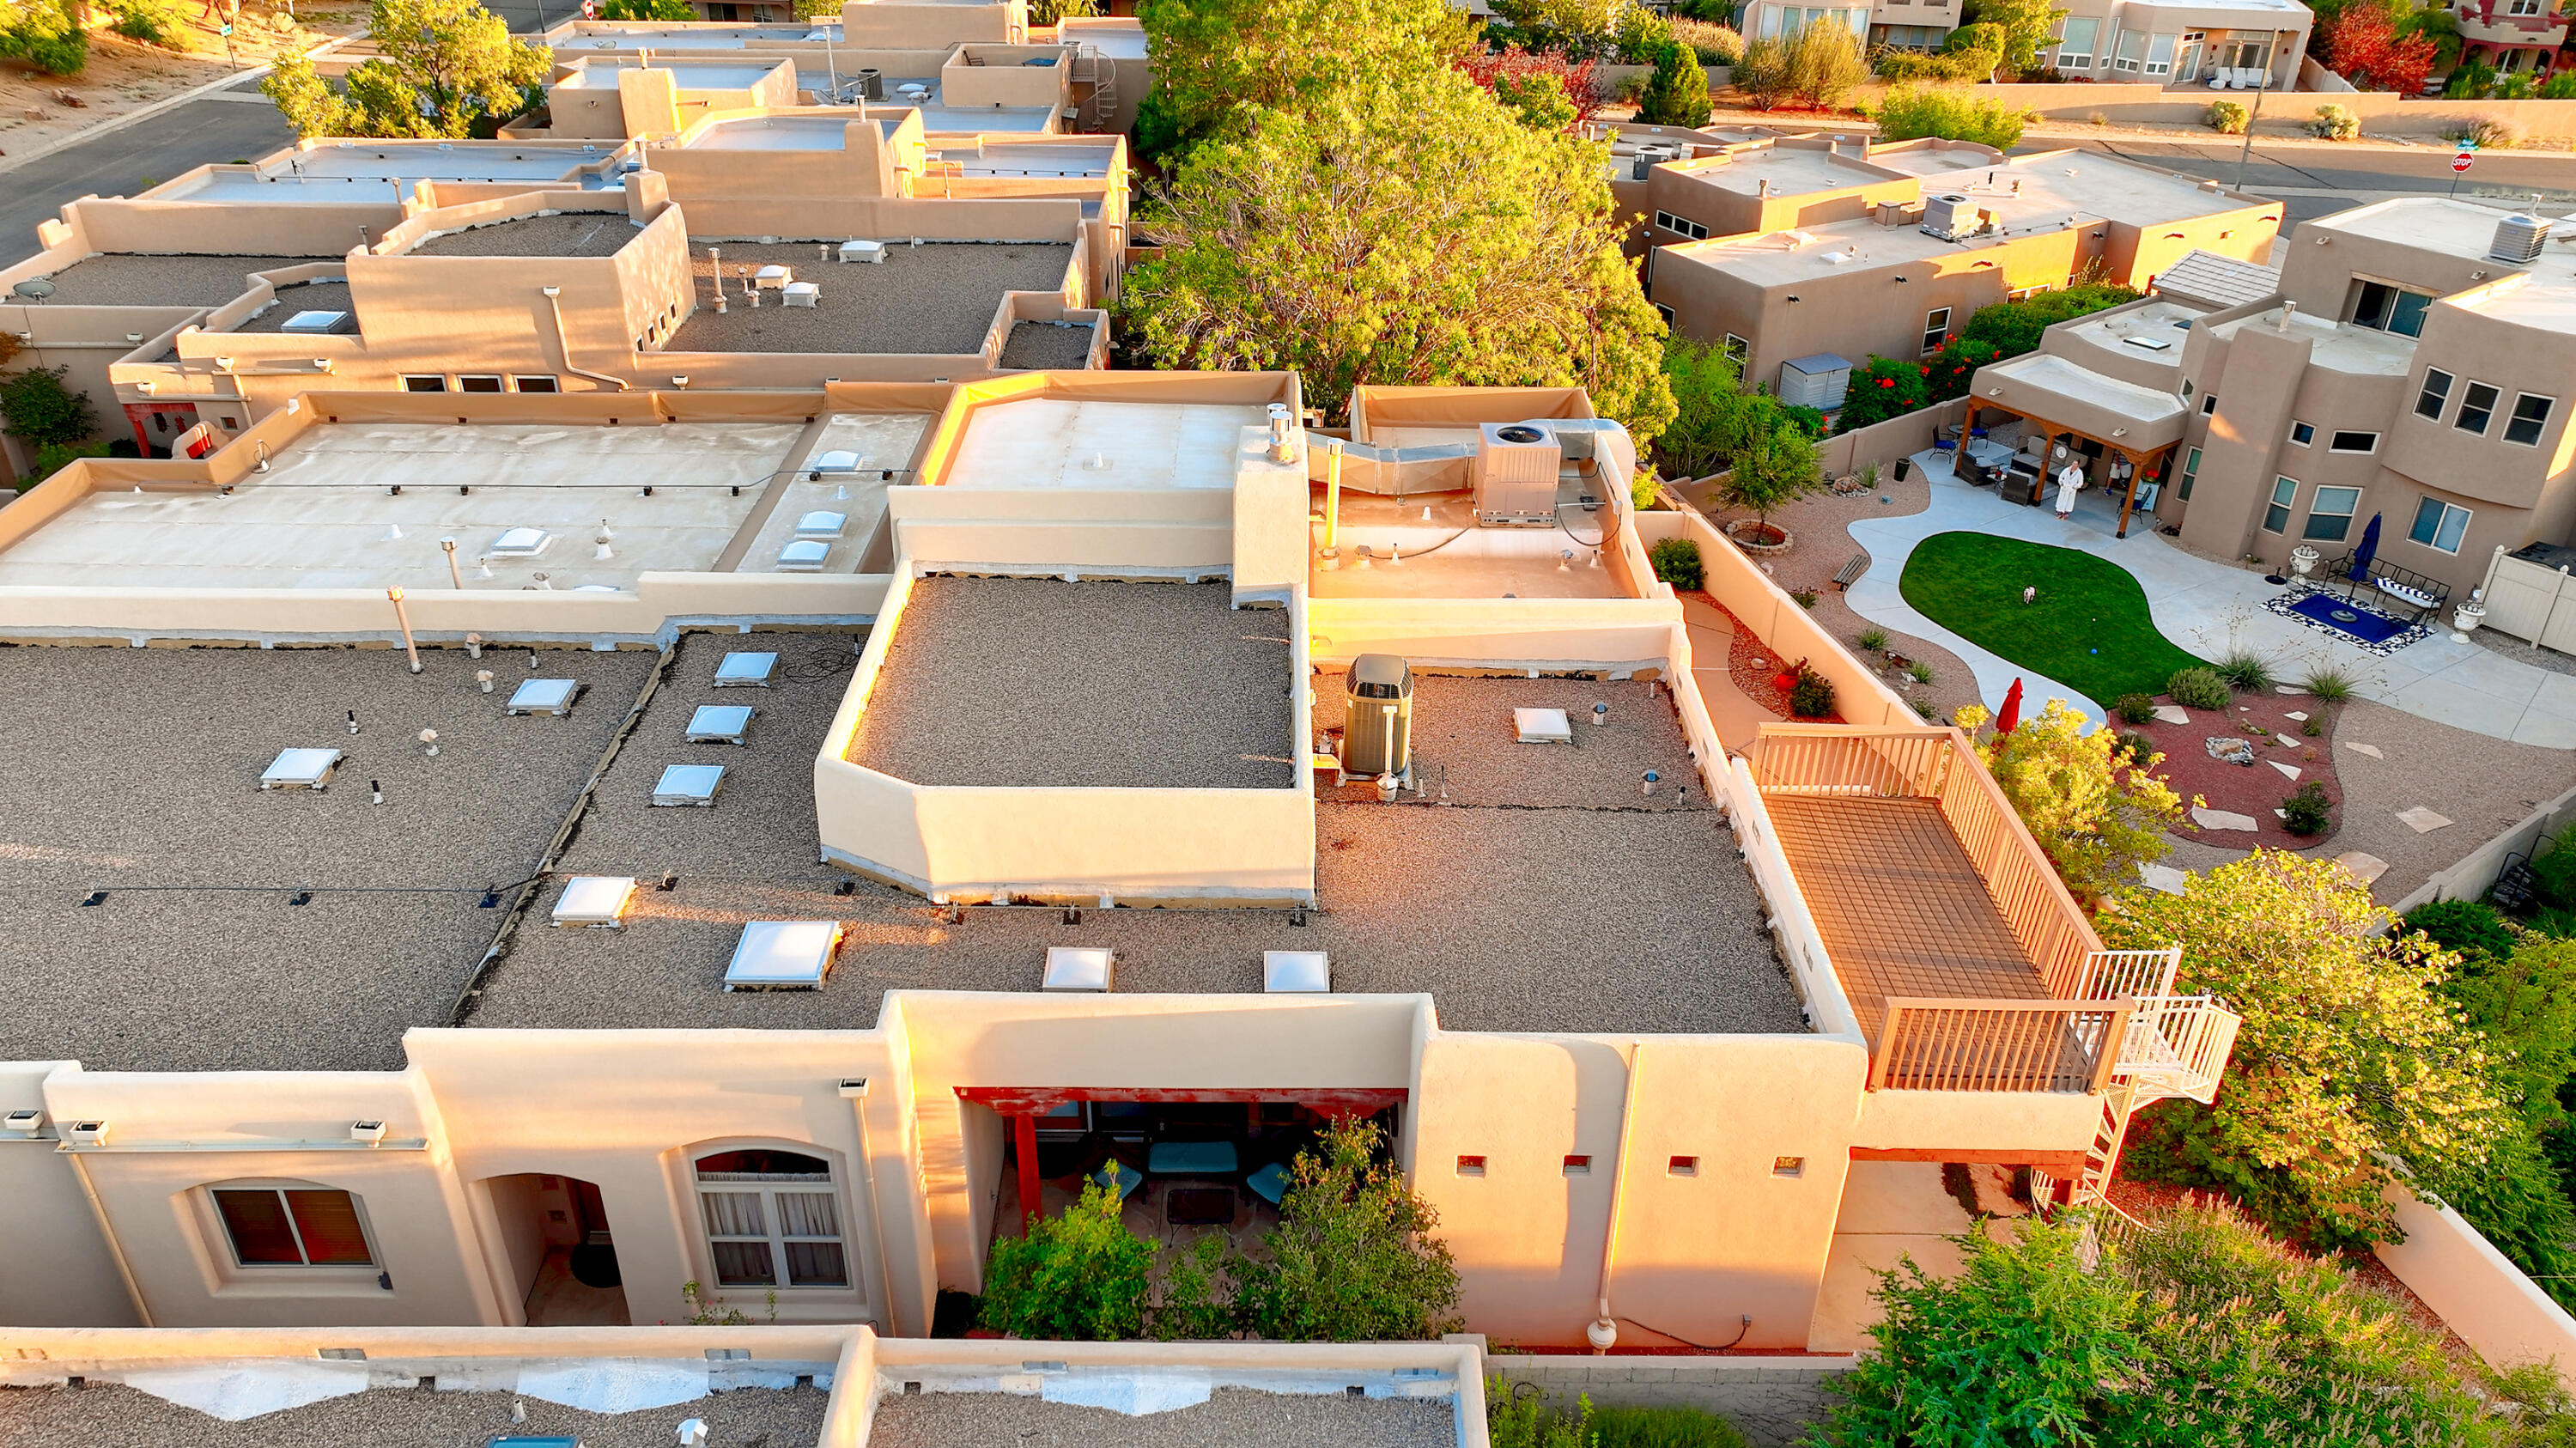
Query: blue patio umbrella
2369	549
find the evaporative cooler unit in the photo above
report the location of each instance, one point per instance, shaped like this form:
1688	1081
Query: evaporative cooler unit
1377	717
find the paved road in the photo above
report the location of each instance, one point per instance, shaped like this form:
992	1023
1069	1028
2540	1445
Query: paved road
133	159
2312	182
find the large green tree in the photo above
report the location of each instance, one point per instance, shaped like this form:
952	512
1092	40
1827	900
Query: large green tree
1403	230
1222	67
1353	1258
2025	25
47	34
445	69
2350	1051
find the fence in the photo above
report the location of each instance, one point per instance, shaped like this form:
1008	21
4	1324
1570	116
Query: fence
1976	1044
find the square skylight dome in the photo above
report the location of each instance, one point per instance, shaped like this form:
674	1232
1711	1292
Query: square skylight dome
1080	967
822	523
747	670
544	696
1542	726
805	555
783	955
688	784
596	901
1296	972
521	543
720	724
300	769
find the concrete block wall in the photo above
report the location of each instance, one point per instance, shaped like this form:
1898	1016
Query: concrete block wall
1771	1399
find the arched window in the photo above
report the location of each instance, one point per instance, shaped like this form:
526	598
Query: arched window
292	1225
773	1219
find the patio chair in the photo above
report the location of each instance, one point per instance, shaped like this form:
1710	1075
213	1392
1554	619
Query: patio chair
1119	1177
1270	1183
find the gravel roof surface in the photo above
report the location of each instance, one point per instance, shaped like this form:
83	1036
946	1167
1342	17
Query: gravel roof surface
310	297
108	1415
1565	900
1029	683
148	776
937	298
123	280
1037	346
1230	1418
583	233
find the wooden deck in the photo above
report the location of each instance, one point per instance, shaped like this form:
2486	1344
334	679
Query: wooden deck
1902	911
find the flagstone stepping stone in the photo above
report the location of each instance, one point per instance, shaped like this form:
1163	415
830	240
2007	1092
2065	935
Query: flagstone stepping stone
2370	749
2287	689
2365	866
2288	771
2172	714
2300	715
2219	819
2162	877
2285	741
2421	820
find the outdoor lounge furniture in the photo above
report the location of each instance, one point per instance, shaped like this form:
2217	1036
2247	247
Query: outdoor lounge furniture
1191	1158
2402	590
1119	1177
1270	1183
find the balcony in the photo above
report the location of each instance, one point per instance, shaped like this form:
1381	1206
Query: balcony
1967	964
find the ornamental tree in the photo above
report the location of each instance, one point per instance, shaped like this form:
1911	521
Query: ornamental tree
1404	231
446	69
2097	811
1677	92
2025	25
1078	1276
1353	1258
2369	52
1771	464
2349	1049
1221	67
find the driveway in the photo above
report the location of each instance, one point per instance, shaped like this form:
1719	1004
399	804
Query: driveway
2208	608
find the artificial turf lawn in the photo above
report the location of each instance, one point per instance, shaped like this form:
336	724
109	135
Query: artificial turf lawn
2088	629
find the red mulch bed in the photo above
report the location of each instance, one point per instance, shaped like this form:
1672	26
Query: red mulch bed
2256	789
1756	670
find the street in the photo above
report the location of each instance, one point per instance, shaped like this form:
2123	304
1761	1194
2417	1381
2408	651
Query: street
132	159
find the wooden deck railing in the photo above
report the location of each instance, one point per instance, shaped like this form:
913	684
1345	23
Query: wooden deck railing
1974	1044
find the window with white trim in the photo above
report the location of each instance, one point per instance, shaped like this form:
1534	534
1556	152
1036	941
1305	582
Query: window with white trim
2477	407
2190	471
2353	442
2439	525
293	1226
1737	349
1663	311
2129	50
424	382
1681	226
2209	404
2330	514
542	382
2160	54
2530	418
2435	393
1936	328
471	383
2302	434
2276	515
773	1219
2075	48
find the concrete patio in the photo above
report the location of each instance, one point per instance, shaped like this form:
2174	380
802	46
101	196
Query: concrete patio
2207	608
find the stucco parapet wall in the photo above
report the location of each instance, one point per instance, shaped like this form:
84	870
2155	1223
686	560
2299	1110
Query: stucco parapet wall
38	1356
1986	1122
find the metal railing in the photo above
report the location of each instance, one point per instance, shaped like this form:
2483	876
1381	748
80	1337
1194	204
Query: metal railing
2178	1046
1975	1044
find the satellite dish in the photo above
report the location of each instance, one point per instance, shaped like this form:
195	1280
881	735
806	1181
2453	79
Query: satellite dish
34	289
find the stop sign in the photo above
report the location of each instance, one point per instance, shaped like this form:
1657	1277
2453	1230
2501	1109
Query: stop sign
2461	161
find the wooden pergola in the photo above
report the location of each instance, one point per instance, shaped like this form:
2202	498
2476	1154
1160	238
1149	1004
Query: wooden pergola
2143	462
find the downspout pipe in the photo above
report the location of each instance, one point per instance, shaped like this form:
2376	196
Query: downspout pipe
1603	1333
554	304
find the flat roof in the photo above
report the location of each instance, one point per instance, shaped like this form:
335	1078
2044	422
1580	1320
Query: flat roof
2134	330
198	958
939	120
1037	346
2337	345
1041	684
2466	230
938	298
782	133
115	1415
134	279
325	515
1545	893
687	73
321	295
1084	159
1058	442
1230	1418
1792	170
571	233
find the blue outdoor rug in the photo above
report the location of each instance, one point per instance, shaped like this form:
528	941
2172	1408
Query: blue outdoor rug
2331	613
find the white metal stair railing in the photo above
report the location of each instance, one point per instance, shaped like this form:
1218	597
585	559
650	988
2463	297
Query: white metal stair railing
1089	65
2111	974
2175	1046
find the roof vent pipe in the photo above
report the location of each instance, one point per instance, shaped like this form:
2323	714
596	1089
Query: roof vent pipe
2288	310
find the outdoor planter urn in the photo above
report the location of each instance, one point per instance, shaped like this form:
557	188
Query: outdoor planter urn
2471	612
2303	560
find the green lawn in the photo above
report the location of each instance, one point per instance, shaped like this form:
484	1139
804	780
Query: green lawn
2088	629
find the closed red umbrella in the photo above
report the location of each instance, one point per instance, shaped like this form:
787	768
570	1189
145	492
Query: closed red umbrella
2011	713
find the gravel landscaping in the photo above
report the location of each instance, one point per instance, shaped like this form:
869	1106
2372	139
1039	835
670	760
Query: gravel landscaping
107	1415
572	233
1230	1418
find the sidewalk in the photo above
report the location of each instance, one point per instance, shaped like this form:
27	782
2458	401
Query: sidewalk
2207	608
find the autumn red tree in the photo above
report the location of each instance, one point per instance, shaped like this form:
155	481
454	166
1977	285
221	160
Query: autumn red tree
2363	39
1511	72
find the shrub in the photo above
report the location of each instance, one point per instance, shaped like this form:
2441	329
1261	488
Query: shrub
47	34
1825	62
1873	639
1632	88
150	21
2244	669
2327	683
1924	708
2227	118
1803	597
1519	1417
53	457
1713	44
2464	926
1080	1275
35	405
2141	750
1663	1428
1883	387
1353	1258
2135	708
2335	123
1676	93
1678	563
2096	813
2307	811
2199	689
2561	85
2555	872
2314	728
1812	696
1949	112
1763	73
2492	133
1919	671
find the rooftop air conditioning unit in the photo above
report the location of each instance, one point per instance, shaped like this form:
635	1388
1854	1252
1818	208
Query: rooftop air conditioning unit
1377	717
2518	239
1951	216
1515	474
